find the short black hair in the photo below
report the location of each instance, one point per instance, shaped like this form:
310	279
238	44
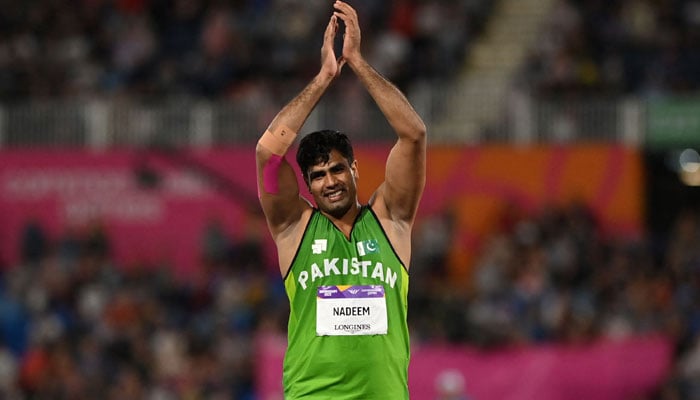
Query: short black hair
315	148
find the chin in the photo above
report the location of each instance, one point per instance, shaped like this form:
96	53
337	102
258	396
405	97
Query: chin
336	210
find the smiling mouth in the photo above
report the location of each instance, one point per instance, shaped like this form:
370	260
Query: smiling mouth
335	195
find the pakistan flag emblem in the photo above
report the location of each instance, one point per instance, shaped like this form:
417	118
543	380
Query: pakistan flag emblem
365	247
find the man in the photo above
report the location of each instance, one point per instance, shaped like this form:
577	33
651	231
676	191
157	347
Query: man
345	265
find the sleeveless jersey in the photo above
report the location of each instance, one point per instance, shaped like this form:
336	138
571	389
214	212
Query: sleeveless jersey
347	331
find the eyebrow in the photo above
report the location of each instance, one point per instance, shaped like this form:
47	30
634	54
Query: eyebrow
337	167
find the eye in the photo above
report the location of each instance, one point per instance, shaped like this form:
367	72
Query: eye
316	175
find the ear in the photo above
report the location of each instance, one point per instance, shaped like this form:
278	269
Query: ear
354	170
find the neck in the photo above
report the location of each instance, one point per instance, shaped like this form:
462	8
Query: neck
345	221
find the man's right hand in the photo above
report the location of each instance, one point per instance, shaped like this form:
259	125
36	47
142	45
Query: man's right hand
330	64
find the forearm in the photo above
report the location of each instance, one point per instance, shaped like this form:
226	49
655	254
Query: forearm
390	100
279	137
295	113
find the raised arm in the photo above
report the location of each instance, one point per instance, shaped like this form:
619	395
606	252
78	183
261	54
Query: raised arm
277	184
401	191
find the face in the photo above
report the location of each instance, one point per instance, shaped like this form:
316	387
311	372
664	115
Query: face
333	185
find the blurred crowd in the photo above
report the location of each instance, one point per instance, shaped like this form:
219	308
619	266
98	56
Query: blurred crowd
75	325
614	47
554	277
213	48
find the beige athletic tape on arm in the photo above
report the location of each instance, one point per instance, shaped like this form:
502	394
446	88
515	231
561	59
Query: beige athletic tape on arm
279	140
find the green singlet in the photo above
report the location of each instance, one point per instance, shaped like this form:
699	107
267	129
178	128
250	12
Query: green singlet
347	332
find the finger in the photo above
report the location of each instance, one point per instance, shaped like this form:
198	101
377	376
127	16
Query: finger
348	19
331	30
345	8
331	25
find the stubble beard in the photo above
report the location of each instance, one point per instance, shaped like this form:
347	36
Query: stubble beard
337	210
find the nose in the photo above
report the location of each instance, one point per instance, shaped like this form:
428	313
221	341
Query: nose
329	180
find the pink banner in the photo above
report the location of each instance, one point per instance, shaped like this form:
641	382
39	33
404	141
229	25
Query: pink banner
154	207
619	369
164	222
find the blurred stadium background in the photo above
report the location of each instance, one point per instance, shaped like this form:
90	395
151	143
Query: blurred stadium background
557	253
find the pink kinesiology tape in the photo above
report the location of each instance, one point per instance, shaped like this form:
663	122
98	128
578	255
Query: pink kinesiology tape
270	174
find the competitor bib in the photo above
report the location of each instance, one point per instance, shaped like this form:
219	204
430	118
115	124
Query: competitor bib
351	310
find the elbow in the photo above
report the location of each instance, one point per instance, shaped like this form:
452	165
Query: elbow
422	131
419	132
414	132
